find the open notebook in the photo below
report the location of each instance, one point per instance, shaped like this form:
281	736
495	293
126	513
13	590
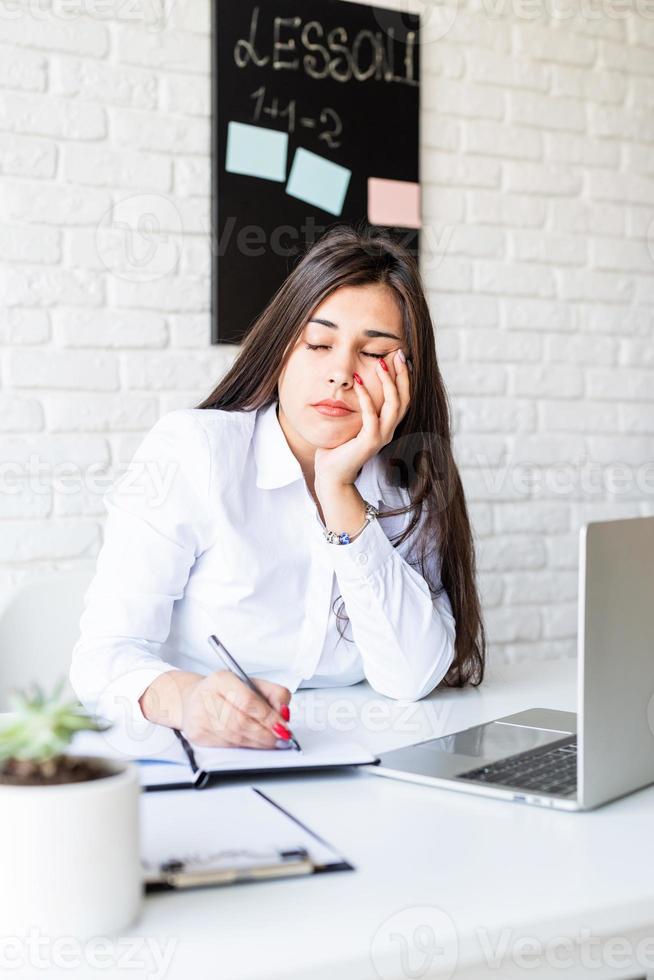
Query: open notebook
169	761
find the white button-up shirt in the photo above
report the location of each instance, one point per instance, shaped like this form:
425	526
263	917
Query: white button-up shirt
212	529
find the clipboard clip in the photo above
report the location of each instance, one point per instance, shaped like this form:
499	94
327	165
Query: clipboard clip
180	874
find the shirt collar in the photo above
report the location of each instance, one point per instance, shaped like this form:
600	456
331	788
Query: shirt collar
277	466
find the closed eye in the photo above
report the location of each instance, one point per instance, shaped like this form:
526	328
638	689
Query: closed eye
324	347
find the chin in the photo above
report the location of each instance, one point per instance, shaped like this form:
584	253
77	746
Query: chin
327	433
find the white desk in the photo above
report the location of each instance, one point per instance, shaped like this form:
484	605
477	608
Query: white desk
484	874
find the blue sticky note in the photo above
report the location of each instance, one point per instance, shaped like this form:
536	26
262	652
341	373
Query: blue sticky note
318	181
256	151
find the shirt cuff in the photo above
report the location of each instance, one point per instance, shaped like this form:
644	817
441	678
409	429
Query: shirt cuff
359	559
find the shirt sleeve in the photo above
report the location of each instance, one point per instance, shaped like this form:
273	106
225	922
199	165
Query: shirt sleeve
405	638
156	526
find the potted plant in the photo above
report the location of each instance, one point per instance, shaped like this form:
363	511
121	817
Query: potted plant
69	841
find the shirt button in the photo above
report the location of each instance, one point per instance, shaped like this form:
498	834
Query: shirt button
362	559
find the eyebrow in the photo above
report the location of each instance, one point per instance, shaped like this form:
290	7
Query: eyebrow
366	333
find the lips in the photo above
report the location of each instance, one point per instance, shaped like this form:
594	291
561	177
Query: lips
332	410
330	403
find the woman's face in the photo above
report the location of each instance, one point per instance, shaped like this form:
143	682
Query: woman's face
344	344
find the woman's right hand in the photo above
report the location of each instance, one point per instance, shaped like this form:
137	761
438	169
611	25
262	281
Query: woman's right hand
220	709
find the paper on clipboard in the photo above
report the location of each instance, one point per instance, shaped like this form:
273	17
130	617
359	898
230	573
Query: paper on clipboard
224	835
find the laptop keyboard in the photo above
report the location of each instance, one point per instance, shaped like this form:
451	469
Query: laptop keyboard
547	769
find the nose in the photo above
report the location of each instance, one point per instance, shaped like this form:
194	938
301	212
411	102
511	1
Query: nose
342	367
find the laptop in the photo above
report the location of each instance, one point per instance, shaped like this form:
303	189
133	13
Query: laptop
561	759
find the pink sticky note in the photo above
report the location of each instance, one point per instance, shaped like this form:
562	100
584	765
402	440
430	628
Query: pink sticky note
394	202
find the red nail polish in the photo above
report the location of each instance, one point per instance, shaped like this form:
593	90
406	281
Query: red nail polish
357	379
383	364
281	731
285	712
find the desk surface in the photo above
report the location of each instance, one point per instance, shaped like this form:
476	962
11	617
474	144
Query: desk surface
443	880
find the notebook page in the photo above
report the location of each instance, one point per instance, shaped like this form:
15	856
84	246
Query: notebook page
153	742
156	773
318	749
152	771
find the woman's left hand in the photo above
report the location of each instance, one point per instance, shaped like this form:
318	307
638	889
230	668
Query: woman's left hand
340	465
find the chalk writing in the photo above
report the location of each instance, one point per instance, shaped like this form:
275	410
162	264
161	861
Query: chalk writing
309	48
273	111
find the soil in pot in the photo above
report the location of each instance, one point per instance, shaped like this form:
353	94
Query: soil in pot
63	769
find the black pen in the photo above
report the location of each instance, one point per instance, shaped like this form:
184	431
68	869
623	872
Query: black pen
235	668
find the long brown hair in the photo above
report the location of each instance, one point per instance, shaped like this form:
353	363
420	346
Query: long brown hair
419	456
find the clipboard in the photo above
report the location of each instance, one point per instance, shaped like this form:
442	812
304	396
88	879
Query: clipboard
231	835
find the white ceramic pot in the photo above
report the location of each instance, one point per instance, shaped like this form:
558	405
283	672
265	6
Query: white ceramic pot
70	856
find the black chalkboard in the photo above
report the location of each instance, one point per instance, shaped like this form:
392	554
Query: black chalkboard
361	113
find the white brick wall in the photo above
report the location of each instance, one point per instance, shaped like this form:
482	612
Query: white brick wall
538	251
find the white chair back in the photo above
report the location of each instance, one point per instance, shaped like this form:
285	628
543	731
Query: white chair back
38	629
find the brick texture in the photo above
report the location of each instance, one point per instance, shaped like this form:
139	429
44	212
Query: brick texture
537	165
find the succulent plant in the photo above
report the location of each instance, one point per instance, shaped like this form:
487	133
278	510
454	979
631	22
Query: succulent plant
33	742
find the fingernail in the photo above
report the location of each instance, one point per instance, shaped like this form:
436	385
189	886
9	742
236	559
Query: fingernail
383	364
281	731
357	379
285	712
401	356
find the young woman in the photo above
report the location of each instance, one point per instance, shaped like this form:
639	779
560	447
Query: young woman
320	468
